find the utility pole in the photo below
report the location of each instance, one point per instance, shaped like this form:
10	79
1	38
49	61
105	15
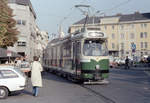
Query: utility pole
85	12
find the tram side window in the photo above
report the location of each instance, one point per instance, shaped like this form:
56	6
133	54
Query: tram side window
55	56
67	50
52	54
76	55
76	50
78	47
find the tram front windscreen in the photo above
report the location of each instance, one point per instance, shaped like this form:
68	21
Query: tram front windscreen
95	48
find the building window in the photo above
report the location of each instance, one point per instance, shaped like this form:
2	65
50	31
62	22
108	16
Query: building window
145	34
22	53
21	22
132	25
113	36
21	43
143	25
132	36
113	45
141	44
146	53
113	27
122	45
105	27
146	45
122	36
141	53
141	35
122	27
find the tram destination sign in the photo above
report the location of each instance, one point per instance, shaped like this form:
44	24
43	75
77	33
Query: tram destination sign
96	34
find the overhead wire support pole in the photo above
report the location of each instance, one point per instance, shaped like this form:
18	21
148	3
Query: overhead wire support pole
60	29
86	13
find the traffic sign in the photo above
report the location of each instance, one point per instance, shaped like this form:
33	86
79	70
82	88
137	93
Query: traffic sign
133	46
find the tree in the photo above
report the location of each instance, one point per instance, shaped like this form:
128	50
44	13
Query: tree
8	31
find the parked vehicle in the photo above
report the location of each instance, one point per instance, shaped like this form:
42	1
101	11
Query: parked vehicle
112	62
11	79
120	61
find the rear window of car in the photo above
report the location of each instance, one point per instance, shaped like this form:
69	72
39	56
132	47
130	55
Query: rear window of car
7	74
25	65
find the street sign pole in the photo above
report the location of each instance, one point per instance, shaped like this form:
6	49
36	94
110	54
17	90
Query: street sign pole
9	55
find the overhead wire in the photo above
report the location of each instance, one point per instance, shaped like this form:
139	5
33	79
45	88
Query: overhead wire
117	6
111	9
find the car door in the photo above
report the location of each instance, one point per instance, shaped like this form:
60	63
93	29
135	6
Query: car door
10	79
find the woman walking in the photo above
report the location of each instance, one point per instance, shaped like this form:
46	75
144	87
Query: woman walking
36	78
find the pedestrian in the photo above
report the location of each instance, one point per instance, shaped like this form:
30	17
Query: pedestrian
18	63
127	63
148	60
36	78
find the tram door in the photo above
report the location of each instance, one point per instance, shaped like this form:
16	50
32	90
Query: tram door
76	55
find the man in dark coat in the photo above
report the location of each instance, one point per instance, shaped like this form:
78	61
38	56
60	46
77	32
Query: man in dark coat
127	63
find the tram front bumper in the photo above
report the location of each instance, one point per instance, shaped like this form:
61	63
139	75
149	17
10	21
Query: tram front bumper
97	82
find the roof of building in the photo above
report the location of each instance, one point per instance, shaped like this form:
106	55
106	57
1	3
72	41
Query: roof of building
135	16
122	18
24	2
90	20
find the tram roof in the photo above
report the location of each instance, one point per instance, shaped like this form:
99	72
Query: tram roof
88	32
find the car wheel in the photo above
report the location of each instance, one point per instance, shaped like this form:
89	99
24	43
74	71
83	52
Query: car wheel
3	92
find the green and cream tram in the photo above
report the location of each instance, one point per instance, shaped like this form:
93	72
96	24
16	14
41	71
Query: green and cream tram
82	56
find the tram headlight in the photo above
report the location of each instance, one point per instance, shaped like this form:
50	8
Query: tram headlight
97	67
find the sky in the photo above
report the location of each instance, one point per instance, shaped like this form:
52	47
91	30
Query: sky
53	13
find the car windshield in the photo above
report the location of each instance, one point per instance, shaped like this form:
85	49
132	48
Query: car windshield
95	48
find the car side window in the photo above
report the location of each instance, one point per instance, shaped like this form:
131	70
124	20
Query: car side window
8	74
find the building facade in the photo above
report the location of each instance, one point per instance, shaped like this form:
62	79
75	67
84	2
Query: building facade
26	24
128	35
42	41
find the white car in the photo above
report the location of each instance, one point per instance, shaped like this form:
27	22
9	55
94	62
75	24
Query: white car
11	79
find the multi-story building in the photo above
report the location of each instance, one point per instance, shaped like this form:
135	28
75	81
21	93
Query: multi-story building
42	41
128	35
25	17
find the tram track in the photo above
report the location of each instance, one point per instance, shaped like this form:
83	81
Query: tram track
104	98
98	94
